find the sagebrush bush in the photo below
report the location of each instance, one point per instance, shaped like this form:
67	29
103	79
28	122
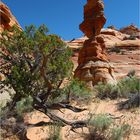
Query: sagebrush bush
103	127
78	89
132	102
24	106
123	89
100	122
118	133
55	132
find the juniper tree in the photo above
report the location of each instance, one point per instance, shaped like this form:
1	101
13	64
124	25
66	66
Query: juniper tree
35	64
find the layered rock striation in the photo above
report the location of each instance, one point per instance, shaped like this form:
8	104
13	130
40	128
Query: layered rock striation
93	64
7	20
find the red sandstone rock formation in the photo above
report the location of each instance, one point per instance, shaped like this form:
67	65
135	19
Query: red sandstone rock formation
124	61
7	20
94	19
131	30
93	66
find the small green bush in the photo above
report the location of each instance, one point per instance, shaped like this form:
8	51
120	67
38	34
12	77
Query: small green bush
100	122
132	102
78	88
25	105
55	132
103	127
119	132
74	89
123	89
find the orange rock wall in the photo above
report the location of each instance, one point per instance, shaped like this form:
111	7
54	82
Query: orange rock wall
7	20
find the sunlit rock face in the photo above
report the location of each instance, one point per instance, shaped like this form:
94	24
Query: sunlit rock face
7	20
93	64
94	18
131	30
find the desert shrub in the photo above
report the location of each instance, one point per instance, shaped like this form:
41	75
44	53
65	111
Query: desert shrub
25	105
118	133
104	127
106	91
115	49
55	132
131	37
131	73
132	102
72	90
100	122
78	90
129	85
123	89
98	127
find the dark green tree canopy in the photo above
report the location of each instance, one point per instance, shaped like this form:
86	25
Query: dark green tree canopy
36	63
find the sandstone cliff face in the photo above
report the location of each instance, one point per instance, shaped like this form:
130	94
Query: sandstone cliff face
93	66
7	20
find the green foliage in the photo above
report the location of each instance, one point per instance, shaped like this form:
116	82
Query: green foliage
55	133
3	111
123	89
36	63
78	88
132	102
24	105
100	122
74	89
129	85
119	132
103	127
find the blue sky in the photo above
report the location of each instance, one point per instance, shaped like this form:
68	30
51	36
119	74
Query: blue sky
63	17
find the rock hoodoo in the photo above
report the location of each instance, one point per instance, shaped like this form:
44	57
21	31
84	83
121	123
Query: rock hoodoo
93	65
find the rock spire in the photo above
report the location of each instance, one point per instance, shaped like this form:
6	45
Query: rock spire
93	65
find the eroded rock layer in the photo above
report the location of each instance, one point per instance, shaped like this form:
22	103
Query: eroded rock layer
7	20
93	65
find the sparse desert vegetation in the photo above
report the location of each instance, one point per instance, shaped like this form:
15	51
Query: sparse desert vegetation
84	89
